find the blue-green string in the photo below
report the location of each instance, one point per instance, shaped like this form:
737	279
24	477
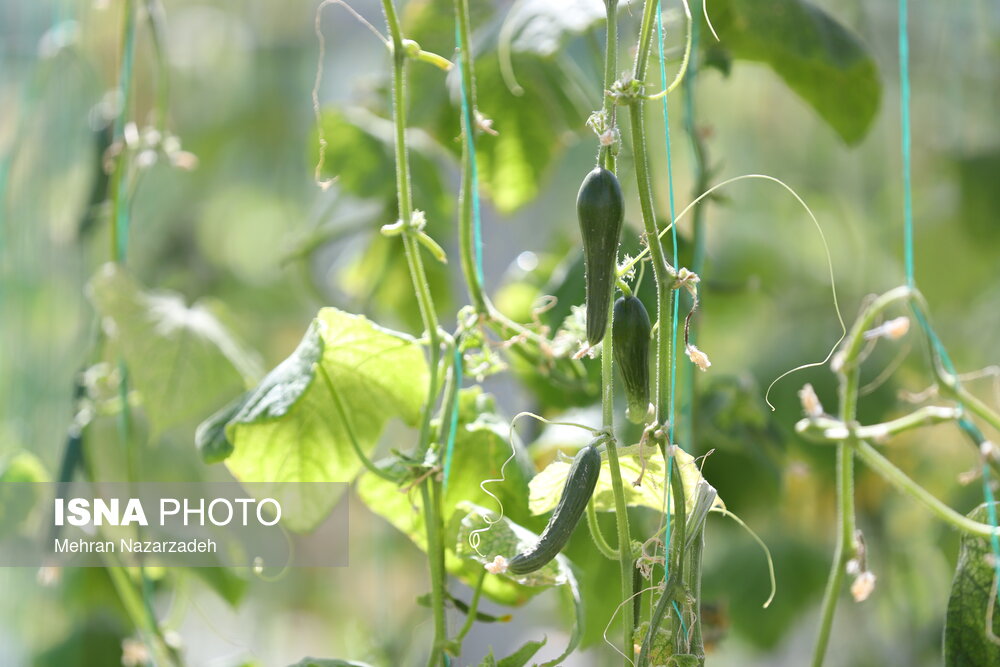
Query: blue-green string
970	429
674	314
453	426
470	142
673	228
904	105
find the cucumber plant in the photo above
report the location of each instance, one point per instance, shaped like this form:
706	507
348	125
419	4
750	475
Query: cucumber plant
458	483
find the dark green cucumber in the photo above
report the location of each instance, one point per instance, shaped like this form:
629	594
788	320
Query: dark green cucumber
600	208
580	483
630	344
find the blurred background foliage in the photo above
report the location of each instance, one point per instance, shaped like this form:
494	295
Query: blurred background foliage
250	234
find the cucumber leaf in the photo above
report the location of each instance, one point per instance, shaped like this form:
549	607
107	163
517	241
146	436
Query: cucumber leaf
820	59
546	487
965	639
345	380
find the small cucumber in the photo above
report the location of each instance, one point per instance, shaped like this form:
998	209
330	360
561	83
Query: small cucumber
630	344
580	483
600	208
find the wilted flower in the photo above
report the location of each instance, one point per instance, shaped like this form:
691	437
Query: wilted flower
697	357
498	566
863	586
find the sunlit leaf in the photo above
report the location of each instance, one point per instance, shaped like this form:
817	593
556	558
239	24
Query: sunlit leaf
347	376
546	486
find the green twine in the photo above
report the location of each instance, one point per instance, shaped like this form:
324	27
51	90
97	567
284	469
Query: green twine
904	105
673	228
470	143
674	316
453	426
967	426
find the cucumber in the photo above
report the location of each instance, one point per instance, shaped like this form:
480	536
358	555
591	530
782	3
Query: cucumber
600	209
580	483
630	344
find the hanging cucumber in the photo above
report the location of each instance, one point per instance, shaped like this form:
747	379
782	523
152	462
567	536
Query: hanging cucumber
630	344
600	208
580	483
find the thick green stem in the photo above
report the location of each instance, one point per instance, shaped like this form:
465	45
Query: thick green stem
466	236
901	481
975	405
624	544
624	551
675	583
677	547
695	643
855	340
662	271
828	429
844	551
430	489
430	494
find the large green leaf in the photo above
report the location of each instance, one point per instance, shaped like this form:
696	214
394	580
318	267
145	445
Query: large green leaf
821	60
546	486
345	380
181	359
482	445
966	643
